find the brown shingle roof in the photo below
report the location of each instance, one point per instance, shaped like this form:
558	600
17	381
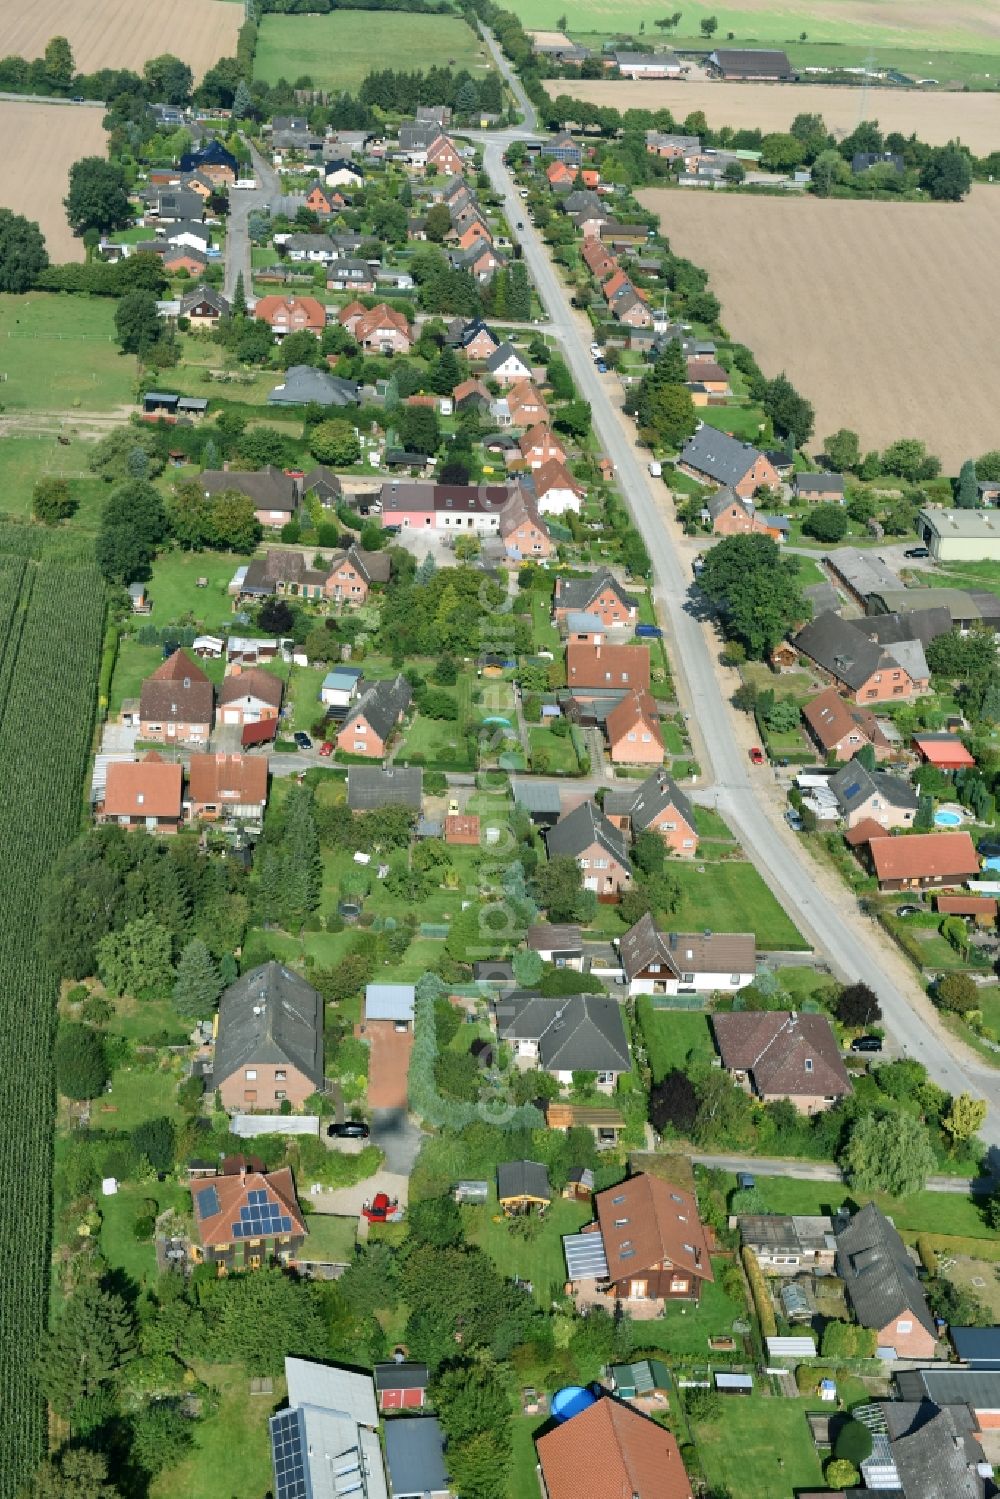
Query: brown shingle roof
830	718
863	832
252	683
177	692
606	665
636	711
660	1223
622	1453
233	1193
554	474
143	788
238	779
949	856
461	830
784	1052
968	905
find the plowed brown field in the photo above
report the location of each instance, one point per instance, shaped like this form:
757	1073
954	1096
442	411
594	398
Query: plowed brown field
885	315
43	141
123	33
938	118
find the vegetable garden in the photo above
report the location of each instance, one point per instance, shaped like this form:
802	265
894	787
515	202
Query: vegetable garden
51	618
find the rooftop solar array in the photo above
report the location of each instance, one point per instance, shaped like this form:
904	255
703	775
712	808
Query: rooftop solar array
261	1217
290	1481
207	1201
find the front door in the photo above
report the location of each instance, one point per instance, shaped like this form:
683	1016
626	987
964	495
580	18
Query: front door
640	1290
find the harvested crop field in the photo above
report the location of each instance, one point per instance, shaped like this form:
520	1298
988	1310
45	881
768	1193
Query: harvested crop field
936	117
124	33
50	137
873	309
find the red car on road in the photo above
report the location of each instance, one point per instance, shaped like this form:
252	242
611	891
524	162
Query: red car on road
756	755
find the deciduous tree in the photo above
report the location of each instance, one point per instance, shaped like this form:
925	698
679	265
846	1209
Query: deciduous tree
98	196
22	252
755	589
52	500
90	1342
888	1152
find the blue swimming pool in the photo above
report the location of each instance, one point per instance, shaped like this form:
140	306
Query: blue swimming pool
993	863
946	819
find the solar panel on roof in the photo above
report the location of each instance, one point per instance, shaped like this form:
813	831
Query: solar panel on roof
207	1202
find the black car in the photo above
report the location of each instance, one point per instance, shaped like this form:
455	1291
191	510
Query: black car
916	552
303	741
908	910
351	1129
866	1043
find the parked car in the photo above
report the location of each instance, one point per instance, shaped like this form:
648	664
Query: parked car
302	740
351	1129
648	632
326	748
866	1043
595	350
916	552
756	755
794	820
745	1182
601	367
907	910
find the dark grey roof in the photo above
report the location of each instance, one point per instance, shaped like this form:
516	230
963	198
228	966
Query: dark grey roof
269	488
978	1346
936	1456
207	294
924	625
721	500
177	203
880	1277
578	1033
841	648
853	785
404	1376
303	385
585	200
502	354
370	786
523	1179
414	1455
819	484
383	705
648	800
751	62
723	458
270	1015
977	1388
546	937
579	593
322	479
582	827
538	796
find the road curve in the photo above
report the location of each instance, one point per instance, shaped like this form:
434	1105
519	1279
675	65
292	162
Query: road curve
846	936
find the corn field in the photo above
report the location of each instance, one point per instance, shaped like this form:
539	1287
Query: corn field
51	620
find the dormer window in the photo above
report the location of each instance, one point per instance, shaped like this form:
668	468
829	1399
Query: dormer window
809	1064
621	1223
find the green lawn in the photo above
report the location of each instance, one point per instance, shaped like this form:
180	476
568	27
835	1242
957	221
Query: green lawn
731	897
674	1037
24	460
119	1245
232	1451
547	637
559	756
761	1448
58	352
176	597
672	741
137	1094
745	422
523	1477
331	1238
686	1329
538	1259
335	51
923	1212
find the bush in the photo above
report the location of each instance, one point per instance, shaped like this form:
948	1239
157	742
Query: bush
841	1474
928	1255
957	992
81	1062
809	1377
853	1443
761	1295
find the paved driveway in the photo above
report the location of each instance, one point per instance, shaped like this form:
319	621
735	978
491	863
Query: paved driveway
388	1064
398	1136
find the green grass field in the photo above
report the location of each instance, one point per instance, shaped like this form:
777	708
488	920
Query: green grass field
760	1448
24	460
731	897
58	353
673	1037
337	51
232	1449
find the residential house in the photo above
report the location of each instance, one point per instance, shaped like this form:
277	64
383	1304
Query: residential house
598	847
593	667
885	799
944	751
555	488
461	830
177	258
269	1042
928	1452
753	65
451	507
441	153
730	515
379	329
343	173
401	1385
524	534
672	147
303	385
470	393
597	257
373	718
560	174
978	1390
250	696
291	314
322	200
575	1033
633	731
623	1453
783	1054
370	787
415	140
684	962
882	1286
353	574
506	365
656	805
416	1459
188	235
707	381
176	703
865	671
478	341
325	485
339	688
840	728
561	946
325	1442
174	205
539	445
247	1220
314	249
227	788
597	593
274	494
142	793
525	405
647	1248
213	159
825	489
281	572
784	1244
204	307
712	456
433	114
863	161
563	148
923	859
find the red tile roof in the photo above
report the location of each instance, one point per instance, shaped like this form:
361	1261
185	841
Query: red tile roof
554	475
645	1221
240	780
968	905
314	315
622	1453
636	711
143	788
606	665
232	1193
943	749
949	856
461	830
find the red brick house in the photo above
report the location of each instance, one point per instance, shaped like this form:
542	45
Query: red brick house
247	1220
324	201
605	667
779	1054
175	704
379	329
914	861
623	1453
442	154
864	671
540	444
372	720
250	696
269	1043
291	315
478	342
657	805
597	258
633	731
143	793
352	574
714	457
882	1287
522	530
599	593
227	788
598	847
475	233
841	728
526	405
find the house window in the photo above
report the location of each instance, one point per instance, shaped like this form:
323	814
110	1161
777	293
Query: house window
905	1326
621	1223
280	1093
809	1064
605	1077
670	827
654	967
251	1074
280	1074
734	978
687	978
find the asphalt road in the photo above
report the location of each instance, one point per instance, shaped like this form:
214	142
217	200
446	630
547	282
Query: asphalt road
742	792
241	202
817	1172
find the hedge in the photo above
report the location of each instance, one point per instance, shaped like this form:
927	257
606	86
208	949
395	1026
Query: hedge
761	1295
